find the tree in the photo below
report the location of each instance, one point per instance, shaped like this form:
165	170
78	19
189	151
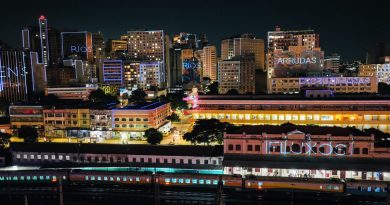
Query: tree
4	139
150	131
174	118
155	138
207	131
138	96
29	134
4	105
212	89
99	96
177	102
232	92
383	88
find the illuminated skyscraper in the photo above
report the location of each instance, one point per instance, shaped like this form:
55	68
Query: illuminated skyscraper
20	73
113	72
43	34
209	62
244	44
151	74
283	40
151	46
237	73
77	45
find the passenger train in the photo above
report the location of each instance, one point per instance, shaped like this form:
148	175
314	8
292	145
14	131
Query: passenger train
78	177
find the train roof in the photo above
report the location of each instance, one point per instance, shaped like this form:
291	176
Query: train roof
158	150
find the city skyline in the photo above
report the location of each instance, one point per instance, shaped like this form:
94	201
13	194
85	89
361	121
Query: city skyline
340	31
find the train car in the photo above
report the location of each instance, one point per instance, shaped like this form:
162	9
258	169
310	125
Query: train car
366	187
33	177
279	183
188	180
105	177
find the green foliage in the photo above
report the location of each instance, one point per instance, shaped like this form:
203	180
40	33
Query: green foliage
153	136
4	139
29	134
177	102
99	96
137	96
212	89
232	92
174	118
206	131
383	88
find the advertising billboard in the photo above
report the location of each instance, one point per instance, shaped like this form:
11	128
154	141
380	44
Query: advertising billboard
297	63
191	72
77	45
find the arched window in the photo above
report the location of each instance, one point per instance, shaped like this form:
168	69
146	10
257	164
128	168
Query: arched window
296	148
238	147
249	148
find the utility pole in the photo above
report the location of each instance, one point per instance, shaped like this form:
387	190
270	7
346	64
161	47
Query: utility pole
219	197
61	191
156	190
25	200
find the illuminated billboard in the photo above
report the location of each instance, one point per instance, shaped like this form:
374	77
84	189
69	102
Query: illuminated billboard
191	73
76	45
297	63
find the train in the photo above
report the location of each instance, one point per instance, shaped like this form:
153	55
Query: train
74	177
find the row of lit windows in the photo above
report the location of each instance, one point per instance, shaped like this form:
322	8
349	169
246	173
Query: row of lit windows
131	119
116	159
301	117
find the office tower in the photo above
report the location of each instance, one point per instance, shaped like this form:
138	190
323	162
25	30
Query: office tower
332	62
282	40
98	53
43	34
209	62
20	73
185	40
54	45
146	45
151	46
113	72
151	74
131	75
118	45
176	68
77	45
244	44
237	73
42	39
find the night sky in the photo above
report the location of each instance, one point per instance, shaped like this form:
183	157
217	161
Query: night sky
349	28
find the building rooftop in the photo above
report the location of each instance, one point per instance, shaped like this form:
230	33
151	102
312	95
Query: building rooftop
160	150
143	106
289	127
334	97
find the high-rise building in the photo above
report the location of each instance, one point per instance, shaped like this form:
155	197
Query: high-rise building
332	62
118	45
279	39
237	73
151	46
43	34
185	40
151	74
77	45
131	75
244	44
113	72
146	45
209	62
20	73
42	39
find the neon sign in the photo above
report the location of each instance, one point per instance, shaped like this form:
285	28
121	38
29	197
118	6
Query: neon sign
297	61
78	49
308	148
